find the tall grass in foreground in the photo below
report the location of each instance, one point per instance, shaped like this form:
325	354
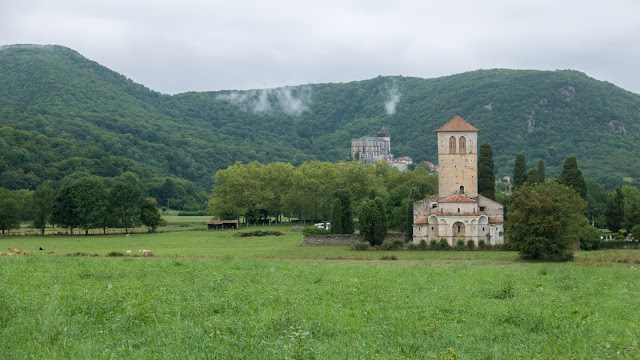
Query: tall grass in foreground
81	307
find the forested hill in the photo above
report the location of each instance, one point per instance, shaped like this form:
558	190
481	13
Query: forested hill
62	115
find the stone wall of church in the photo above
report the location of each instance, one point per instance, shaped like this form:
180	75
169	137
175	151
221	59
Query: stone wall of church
491	208
423	208
458	168
458	208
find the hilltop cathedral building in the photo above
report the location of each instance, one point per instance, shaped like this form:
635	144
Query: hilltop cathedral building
458	211
371	149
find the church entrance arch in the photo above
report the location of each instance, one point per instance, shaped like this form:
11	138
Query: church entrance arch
459	230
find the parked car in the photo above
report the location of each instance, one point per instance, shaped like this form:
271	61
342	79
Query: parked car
326	226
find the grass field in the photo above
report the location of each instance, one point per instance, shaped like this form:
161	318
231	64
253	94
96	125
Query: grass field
211	295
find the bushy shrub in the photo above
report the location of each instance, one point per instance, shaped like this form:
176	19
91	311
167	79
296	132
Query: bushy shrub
459	244
481	244
433	244
589	238
423	244
115	253
192	213
362	246
393	245
414	247
444	244
312	230
470	244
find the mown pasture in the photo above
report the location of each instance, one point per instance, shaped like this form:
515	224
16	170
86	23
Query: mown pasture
211	295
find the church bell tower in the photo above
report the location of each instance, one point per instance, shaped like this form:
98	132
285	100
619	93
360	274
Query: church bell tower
457	159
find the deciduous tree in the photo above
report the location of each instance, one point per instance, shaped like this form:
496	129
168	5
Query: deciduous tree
545	220
125	201
150	215
42	207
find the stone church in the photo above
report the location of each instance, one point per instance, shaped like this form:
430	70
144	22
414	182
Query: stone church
458	211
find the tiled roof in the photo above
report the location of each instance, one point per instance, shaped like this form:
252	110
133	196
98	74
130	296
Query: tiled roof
478	213
427	198
493	220
457	124
423	221
457	198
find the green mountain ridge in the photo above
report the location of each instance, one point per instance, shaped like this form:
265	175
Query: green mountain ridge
62	115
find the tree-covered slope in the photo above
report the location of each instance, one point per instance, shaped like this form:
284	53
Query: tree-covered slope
61	114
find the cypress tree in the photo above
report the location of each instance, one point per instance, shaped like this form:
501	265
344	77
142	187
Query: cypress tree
519	171
365	219
486	177
414	196
571	176
542	175
614	212
344	195
336	218
379	221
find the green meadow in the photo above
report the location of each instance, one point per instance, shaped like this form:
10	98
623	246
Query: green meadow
208	295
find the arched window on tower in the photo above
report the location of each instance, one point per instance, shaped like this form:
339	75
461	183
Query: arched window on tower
461	189
452	145
463	145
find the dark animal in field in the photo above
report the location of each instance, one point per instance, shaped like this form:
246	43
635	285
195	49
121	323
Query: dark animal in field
51	252
41	248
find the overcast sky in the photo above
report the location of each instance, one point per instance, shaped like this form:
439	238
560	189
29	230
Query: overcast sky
197	45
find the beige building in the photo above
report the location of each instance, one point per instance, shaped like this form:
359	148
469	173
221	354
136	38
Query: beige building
371	149
458	211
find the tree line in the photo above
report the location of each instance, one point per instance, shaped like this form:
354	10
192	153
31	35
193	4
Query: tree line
308	192
550	217
83	204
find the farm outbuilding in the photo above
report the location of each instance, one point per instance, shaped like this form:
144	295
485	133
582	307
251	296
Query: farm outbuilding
222	224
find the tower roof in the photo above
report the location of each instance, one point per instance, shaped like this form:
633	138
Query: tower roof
383	132
457	124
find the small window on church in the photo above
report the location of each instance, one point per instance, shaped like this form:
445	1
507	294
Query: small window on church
461	189
458	228
481	208
483	228
463	145
458	210
452	145
434	205
432	228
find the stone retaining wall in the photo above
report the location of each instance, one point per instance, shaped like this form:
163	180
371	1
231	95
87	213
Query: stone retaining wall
343	240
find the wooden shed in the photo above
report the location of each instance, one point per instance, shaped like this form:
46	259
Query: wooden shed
222	224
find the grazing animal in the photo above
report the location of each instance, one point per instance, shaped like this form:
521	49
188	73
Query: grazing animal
145	251
26	253
14	250
126	251
51	252
41	248
7	254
